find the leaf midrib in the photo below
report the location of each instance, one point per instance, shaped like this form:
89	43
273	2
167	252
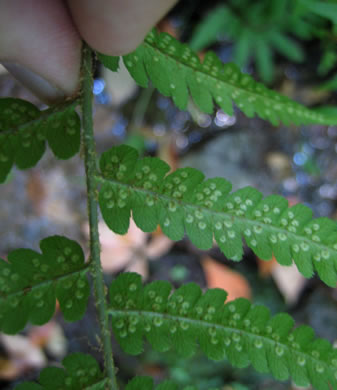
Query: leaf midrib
251	222
240	88
43	283
45	114
203	323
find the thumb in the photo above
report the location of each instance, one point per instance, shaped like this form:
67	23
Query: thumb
116	27
40	46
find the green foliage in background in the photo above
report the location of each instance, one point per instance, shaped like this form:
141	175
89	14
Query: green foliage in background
261	29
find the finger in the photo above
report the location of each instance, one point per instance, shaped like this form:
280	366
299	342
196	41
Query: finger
39	44
117	27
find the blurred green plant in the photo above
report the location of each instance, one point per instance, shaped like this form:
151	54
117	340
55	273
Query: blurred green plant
259	29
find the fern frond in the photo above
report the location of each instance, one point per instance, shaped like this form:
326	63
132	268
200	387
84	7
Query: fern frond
183	202
330	85
31	282
253	41
146	383
243	333
81	372
176	71
325	9
24	130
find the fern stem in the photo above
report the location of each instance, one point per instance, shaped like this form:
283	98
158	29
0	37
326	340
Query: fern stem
90	168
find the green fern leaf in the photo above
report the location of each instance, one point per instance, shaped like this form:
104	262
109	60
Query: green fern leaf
31	282
24	130
182	202
286	46
327	62
264	59
81	372
330	85
218	20
146	383
110	62
140	383
325	9
176	71
242	333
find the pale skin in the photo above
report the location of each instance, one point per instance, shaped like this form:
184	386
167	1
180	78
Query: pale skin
40	40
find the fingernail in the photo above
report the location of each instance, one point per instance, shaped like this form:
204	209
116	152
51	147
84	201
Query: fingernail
34	82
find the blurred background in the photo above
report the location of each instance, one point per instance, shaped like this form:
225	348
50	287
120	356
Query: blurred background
291	46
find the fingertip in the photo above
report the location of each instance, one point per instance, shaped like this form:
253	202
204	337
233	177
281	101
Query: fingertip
116	27
35	83
41	46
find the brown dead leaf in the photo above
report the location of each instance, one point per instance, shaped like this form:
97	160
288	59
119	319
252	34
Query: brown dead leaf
8	370
166	25
50	337
23	356
266	267
55	204
117	252
131	250
289	281
159	245
220	276
168	151
279	164
39	335
306	94
36	191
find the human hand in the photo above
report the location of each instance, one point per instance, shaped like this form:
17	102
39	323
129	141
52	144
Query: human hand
40	40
